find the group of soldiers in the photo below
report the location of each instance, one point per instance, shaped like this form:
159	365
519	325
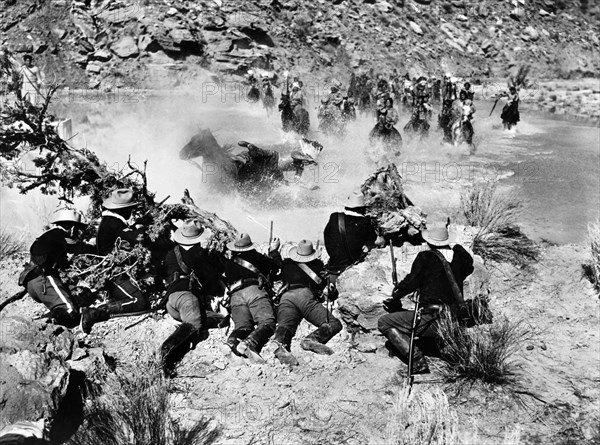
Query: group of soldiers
242	279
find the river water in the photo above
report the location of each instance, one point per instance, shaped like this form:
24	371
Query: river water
552	165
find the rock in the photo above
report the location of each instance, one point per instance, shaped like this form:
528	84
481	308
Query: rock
486	45
78	354
544	13
102	55
360	302
144	41
93	67
532	33
59	33
34	371
172	11
517	13
416	28
126	47
384	6
462	18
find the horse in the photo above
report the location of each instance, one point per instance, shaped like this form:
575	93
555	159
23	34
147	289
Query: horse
268	99
247	171
418	123
293	119
387	134
510	115
463	132
253	93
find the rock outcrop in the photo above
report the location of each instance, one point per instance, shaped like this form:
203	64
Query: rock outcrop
361	303
34	373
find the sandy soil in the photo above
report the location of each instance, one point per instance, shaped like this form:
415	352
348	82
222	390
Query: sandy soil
348	397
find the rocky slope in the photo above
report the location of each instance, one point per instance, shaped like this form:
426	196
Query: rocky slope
349	397
150	43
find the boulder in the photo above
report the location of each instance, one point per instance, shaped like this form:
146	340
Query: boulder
416	28
93	67
532	33
126	47
102	55
33	368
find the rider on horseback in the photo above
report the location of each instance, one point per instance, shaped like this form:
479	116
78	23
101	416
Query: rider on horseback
296	97
464	110
510	113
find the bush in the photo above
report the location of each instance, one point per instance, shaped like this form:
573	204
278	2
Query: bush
498	238
10	244
592	269
132	407
425	417
483	353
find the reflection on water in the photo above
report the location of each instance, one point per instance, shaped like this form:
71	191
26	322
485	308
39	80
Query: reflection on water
553	164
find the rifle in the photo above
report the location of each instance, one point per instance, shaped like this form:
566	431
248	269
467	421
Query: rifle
415	325
12	299
150	210
495	103
394	272
270	237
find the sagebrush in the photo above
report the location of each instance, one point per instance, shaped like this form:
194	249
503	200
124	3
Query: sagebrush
484	353
499	238
10	244
592	269
132	407
425	417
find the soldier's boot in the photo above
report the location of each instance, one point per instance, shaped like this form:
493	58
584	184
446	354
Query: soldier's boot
252	345
92	315
283	340
402	344
235	337
179	343
315	341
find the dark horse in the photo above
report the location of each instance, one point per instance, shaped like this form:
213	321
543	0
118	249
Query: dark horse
386	133
268	99
418	123
510	115
292	119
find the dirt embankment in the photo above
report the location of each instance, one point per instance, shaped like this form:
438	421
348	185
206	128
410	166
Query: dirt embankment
349	397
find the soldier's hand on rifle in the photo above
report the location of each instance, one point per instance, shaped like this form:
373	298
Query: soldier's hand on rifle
385	288
275	244
392	304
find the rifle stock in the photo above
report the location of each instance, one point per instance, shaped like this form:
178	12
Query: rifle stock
415	323
394	271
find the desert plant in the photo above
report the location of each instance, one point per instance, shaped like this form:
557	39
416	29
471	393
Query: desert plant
498	238
425	417
592	269
483	353
132	407
10	244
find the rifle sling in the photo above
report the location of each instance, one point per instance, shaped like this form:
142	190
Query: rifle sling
458	296
311	273
251	267
184	267
343	236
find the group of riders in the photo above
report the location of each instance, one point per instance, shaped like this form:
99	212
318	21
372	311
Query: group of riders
376	95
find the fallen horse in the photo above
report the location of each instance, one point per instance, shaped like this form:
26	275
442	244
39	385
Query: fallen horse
255	166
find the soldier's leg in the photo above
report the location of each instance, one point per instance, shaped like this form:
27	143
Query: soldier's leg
397	327
288	319
262	313
185	307
327	325
128	295
242	319
52	292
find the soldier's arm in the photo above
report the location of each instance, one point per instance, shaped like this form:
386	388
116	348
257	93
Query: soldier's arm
412	281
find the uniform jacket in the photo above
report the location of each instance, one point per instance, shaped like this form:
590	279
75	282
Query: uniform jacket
293	275
360	231
266	265
208	266
113	226
50	250
429	277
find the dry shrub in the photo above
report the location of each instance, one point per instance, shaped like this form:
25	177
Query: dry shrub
499	238
132	407
483	353
425	417
592	269
10	244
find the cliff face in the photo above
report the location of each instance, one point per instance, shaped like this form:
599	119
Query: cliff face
152	43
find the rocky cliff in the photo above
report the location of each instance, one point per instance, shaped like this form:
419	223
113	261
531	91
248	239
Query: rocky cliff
154	43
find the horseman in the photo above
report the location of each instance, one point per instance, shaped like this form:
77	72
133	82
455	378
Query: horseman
296	97
421	96
463	110
449	88
510	113
253	92
330	112
407	89
468	90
